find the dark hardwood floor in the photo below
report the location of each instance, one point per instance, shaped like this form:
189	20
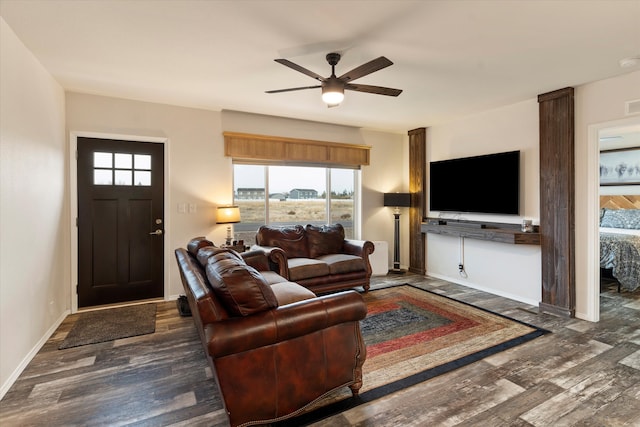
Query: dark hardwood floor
582	374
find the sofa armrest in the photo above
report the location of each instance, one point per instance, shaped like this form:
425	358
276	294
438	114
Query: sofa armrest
361	248
277	259
238	334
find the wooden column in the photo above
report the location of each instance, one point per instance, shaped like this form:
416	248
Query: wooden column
557	227
417	188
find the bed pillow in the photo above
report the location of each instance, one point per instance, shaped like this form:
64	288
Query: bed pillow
621	218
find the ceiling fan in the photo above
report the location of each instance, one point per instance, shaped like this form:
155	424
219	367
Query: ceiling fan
333	87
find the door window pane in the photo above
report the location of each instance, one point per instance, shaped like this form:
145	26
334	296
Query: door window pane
102	177
123	177
142	161
142	178
123	161
102	160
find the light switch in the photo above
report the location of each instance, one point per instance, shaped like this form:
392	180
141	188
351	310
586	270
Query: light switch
182	207
192	208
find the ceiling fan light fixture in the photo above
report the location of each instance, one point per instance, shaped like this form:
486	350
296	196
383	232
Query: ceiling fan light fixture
332	93
332	97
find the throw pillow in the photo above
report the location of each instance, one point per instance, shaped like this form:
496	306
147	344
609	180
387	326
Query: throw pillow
292	239
621	218
196	243
325	240
241	289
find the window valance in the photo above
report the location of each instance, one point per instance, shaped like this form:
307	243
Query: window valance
243	146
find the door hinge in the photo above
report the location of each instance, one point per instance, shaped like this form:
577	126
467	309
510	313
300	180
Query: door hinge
76	221
76	154
76	289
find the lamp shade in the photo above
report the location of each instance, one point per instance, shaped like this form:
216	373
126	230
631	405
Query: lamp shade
397	200
228	215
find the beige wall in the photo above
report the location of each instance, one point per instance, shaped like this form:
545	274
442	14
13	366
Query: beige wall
508	270
34	245
198	172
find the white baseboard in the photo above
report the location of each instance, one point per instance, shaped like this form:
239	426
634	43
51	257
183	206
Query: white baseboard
485	289
36	348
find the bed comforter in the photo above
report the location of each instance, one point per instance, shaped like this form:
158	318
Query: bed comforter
621	253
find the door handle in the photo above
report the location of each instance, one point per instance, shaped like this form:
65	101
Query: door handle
158	232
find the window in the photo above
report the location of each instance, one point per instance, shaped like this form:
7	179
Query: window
288	195
121	169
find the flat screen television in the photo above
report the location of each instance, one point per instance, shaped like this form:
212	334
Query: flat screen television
479	184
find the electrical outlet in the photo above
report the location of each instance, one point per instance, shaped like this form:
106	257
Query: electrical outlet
460	267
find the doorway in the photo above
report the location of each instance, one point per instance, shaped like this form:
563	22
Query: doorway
120	222
630	128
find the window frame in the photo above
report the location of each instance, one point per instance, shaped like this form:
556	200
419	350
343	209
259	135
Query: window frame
357	188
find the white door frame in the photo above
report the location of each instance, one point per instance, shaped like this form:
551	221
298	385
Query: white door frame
73	202
593	209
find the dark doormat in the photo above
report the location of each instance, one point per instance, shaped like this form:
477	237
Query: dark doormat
111	324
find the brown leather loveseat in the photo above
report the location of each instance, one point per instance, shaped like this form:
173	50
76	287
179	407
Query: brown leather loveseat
319	258
273	345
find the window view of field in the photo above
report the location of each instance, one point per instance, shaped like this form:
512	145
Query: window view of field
291	212
297	195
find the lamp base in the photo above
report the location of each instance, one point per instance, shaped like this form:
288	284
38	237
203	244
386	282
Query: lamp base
396	271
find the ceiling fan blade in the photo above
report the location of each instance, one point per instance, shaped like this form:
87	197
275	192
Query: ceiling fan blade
297	67
364	69
378	90
292	89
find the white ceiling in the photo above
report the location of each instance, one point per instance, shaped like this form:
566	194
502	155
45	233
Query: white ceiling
451	58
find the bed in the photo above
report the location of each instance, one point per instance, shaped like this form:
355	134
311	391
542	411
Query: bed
620	245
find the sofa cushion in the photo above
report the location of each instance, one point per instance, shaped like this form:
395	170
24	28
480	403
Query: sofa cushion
196	243
289	292
304	268
272	277
343	263
323	240
242	290
210	254
292	239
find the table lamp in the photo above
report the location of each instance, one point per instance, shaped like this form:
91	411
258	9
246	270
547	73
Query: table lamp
228	215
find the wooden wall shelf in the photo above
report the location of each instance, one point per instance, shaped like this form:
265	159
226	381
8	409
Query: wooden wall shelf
491	231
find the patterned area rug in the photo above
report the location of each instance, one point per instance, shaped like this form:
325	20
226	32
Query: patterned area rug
413	335
111	324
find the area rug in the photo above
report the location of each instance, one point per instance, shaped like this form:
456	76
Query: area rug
413	335
111	324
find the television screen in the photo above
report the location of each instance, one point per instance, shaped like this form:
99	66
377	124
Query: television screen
480	184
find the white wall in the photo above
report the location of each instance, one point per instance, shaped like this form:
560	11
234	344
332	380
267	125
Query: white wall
513	271
516	127
596	104
34	248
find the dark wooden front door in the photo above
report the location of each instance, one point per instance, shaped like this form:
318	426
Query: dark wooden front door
120	221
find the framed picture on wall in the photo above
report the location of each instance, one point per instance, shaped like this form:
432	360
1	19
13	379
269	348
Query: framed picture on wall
620	167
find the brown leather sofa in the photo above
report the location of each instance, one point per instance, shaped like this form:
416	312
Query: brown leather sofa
319	258
273	345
